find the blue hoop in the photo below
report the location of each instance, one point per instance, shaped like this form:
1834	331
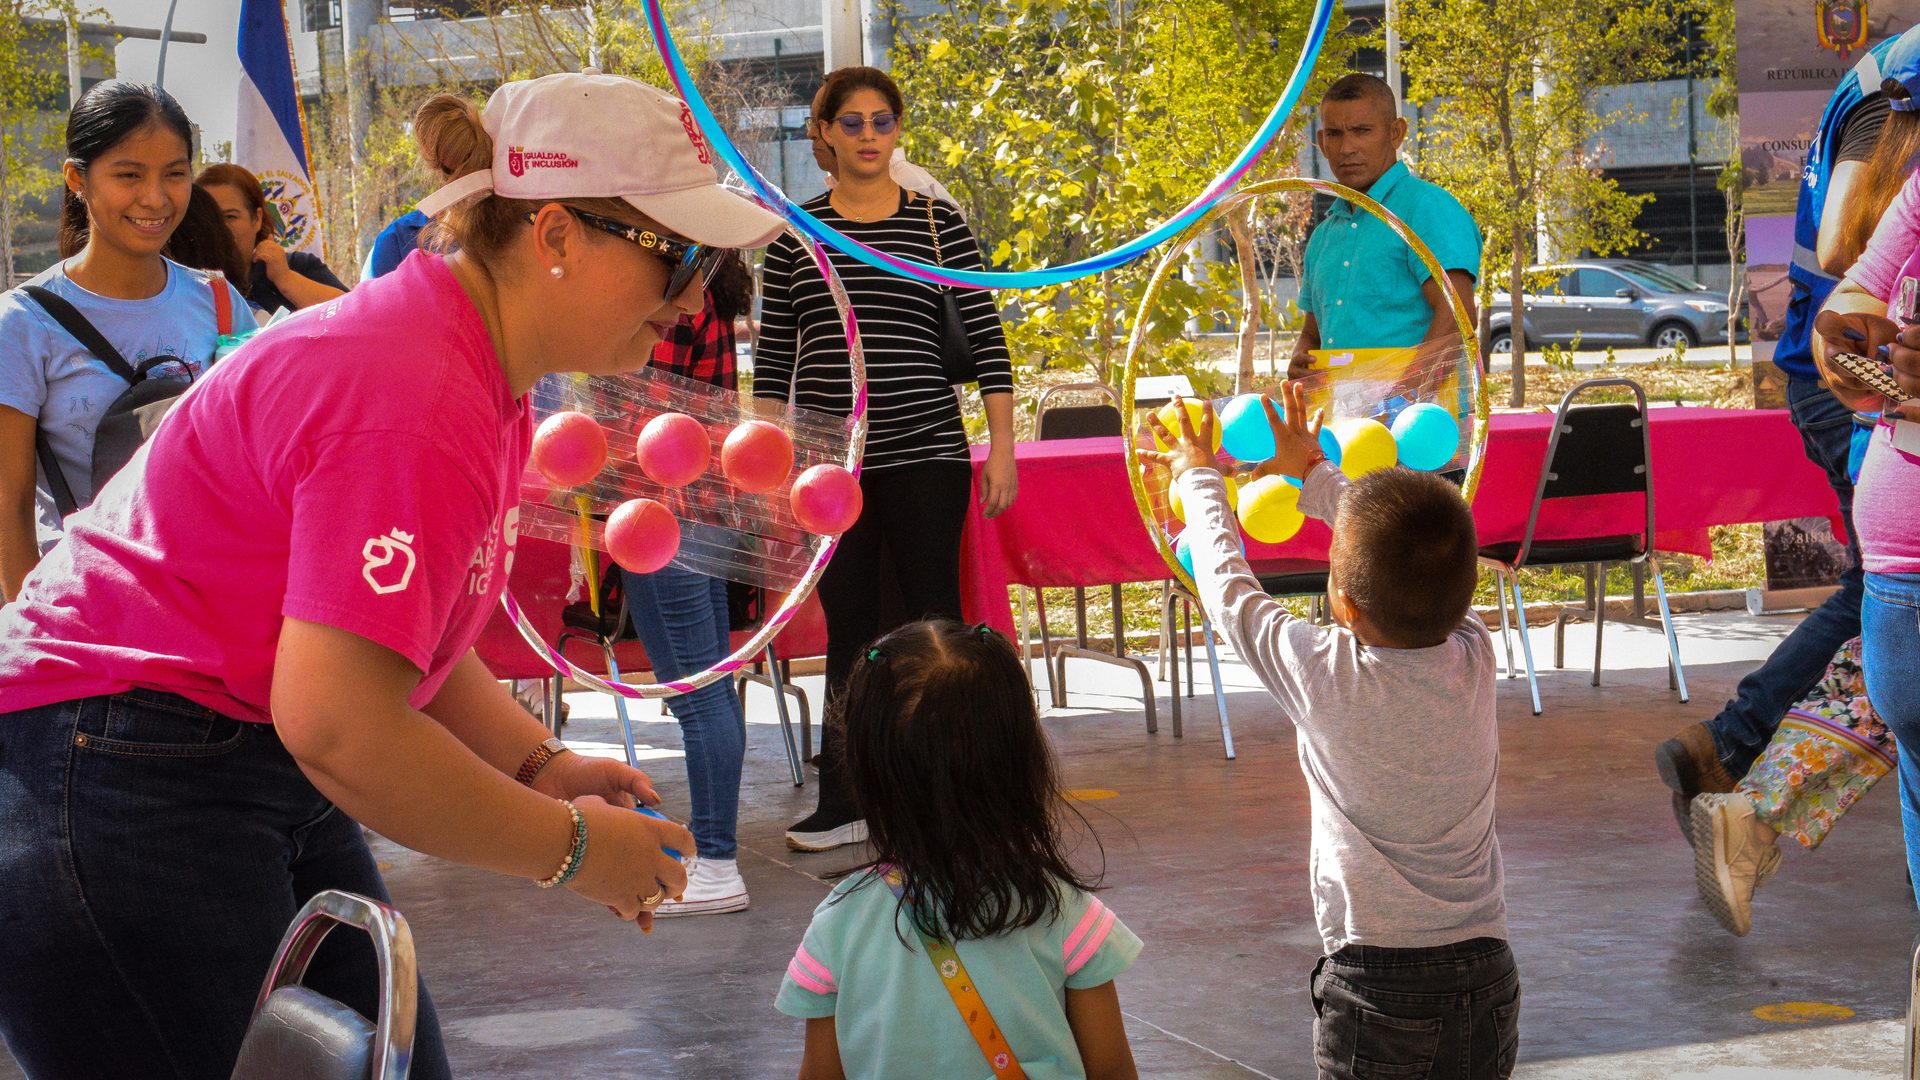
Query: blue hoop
991	279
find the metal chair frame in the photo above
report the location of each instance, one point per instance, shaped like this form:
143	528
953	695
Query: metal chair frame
393	953
1508	574
770	661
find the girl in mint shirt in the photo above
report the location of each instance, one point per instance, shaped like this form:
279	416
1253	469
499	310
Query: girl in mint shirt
963	808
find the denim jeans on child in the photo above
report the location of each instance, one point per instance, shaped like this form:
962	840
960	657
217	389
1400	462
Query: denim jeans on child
1746	724
1450	1012
154	854
681	618
1890	653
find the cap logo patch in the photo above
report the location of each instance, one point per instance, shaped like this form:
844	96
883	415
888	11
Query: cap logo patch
520	159
693	134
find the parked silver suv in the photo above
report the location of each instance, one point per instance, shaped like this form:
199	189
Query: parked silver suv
1614	302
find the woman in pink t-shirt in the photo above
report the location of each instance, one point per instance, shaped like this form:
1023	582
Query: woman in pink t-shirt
260	635
1879	305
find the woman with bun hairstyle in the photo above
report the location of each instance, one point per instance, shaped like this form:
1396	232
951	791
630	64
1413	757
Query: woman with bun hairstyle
276	278
128	178
261	636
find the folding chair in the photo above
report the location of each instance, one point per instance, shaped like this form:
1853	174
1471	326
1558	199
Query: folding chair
606	623
1052	421
300	1034
1594	450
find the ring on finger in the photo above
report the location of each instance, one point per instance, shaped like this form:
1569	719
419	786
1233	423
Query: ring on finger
658	895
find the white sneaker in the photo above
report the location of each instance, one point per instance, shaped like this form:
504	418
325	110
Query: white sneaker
714	887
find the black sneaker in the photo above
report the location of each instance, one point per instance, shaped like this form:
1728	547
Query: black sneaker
826	829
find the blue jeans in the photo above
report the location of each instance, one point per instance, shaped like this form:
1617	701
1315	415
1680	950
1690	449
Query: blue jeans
1746	724
153	855
681	618
1890	652
1449	1011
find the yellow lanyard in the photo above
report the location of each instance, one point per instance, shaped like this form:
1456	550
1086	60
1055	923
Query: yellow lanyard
966	997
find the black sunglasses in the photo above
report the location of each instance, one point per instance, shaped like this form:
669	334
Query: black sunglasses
853	123
689	260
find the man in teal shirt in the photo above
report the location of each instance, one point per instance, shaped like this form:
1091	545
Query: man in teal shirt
1363	287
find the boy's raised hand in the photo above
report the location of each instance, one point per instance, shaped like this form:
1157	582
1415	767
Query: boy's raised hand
1296	436
1186	448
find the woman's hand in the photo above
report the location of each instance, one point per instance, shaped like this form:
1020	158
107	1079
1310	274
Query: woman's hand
999	480
1858	332
625	867
1187	449
270	254
1296	436
1904	352
571	776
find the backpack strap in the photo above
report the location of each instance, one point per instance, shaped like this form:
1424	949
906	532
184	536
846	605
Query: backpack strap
63	499
69	317
222	304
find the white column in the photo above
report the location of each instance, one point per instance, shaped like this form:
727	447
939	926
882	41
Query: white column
841	35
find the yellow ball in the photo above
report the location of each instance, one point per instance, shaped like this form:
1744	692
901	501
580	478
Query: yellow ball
1365	446
1270	510
1172	420
1179	509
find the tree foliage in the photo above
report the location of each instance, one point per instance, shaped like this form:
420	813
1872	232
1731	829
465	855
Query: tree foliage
1511	87
33	110
1067	127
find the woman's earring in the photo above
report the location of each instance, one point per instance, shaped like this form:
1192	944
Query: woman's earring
557	273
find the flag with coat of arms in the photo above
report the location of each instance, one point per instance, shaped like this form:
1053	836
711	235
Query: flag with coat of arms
271	140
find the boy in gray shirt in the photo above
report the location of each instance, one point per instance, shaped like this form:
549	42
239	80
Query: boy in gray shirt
1394	708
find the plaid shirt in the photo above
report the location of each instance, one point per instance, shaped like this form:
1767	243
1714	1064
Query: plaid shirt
700	348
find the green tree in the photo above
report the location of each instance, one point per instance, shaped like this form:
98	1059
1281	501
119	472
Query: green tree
33	107
1066	127
1511	86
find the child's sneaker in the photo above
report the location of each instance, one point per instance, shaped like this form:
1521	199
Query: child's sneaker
713	888
824	830
1733	854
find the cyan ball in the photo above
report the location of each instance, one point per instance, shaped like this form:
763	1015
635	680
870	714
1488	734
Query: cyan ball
1183	551
1428	436
1244	429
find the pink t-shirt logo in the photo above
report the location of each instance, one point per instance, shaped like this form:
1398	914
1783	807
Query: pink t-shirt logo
383	571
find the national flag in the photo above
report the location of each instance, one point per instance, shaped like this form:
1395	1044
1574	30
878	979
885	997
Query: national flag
271	141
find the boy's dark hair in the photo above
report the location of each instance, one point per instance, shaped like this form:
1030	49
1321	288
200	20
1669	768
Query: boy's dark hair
956	780
1360	86
1406	553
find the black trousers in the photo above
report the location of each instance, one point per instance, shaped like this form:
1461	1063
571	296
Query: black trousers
1451	1012
898	564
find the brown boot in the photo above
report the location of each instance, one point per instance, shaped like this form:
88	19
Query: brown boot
1689	766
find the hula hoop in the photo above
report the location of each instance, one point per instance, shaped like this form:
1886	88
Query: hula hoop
823	546
1482	410
1194	212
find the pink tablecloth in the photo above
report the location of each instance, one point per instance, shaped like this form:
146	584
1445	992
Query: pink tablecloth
1075	523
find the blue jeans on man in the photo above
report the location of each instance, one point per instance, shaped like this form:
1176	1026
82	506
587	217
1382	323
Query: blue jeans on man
681	619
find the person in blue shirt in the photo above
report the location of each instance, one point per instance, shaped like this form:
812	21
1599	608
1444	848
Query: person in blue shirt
397	241
1362	286
1860	154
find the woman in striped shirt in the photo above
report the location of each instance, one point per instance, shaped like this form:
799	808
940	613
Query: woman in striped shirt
917	477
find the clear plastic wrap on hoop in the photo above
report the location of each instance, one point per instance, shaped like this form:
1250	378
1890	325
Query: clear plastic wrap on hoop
725	532
1381	385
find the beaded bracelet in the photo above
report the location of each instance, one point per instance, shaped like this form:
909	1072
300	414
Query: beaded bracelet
576	854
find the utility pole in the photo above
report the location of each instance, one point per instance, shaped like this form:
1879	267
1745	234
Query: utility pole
840	33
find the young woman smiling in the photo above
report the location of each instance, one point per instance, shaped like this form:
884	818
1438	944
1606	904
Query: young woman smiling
128	180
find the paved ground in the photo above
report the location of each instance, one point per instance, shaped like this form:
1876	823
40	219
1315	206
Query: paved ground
1626	975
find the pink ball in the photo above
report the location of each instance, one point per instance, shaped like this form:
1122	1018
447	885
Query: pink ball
673	449
642	535
826	500
570	448
757	457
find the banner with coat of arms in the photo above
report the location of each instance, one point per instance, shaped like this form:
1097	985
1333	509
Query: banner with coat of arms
271	139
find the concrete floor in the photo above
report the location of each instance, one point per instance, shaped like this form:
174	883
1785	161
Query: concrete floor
1625	973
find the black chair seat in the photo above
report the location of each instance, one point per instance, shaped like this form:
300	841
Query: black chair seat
1568	552
1290	577
579	616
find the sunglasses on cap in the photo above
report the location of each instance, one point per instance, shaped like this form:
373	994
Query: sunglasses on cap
689	260
853	123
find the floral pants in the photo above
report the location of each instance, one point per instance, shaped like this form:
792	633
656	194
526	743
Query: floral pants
1829	750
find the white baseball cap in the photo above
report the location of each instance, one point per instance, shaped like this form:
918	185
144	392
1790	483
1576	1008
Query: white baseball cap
592	135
